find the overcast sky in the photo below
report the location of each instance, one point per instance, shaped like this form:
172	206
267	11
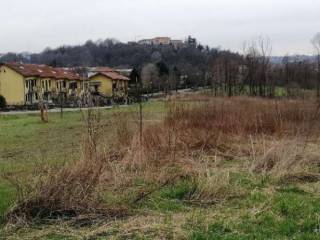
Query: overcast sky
32	25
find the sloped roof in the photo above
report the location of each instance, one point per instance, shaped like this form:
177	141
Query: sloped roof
34	70
109	73
112	75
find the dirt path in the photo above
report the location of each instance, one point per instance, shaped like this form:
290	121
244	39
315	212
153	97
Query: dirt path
57	110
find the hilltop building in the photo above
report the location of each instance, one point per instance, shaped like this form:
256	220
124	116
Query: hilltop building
161	41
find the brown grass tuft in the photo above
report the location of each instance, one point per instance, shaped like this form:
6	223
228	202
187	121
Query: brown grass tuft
273	133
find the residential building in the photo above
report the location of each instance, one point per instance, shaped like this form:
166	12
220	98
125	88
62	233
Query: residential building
27	84
162	41
108	82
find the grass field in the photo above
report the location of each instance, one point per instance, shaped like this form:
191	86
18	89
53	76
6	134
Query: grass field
26	142
224	190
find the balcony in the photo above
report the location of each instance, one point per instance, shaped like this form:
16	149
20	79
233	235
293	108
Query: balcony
63	90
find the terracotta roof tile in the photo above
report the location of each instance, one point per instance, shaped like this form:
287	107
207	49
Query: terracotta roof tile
33	70
109	72
115	76
112	75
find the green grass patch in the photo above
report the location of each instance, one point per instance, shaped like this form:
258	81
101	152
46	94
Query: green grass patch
27	143
178	191
285	214
170	198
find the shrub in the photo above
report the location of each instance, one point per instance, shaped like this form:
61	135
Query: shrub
65	191
58	192
3	102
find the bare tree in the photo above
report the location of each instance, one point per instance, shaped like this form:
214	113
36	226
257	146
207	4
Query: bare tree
316	44
265	51
149	76
257	60
251	62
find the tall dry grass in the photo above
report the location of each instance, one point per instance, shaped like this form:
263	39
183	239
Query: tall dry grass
269	136
64	191
274	134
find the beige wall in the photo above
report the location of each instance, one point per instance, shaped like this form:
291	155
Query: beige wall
105	87
12	86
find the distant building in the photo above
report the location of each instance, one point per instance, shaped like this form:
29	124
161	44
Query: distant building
146	42
161	41
177	43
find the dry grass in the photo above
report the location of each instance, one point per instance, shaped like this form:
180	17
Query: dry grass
65	191
246	116
274	136
213	187
271	135
54	192
219	126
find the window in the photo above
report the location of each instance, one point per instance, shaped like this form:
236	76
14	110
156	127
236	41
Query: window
73	85
33	83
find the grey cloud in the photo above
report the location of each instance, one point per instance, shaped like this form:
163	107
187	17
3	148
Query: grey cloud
35	24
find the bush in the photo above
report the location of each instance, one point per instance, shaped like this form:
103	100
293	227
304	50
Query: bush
3	102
